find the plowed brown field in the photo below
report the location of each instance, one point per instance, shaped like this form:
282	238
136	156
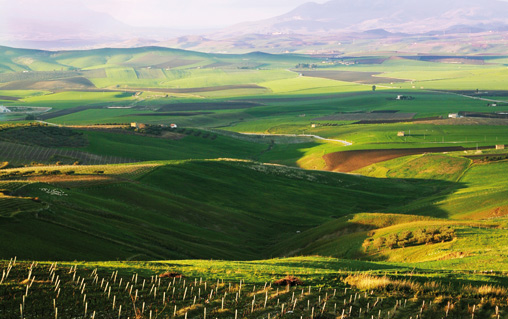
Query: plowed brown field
349	161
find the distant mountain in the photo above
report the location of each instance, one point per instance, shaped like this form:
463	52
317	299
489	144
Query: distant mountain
407	16
334	27
70	24
342	26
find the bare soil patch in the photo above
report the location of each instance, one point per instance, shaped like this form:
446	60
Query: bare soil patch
204	89
349	161
8	98
351	76
226	105
171	114
449	59
70	83
218	65
171	274
498	212
288	281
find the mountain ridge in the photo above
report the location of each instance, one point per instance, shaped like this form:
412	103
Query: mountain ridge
409	16
310	28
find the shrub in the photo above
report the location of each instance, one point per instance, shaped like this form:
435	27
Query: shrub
288	281
419	237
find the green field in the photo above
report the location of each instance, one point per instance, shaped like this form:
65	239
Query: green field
243	188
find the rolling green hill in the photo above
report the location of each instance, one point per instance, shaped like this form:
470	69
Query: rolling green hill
217	209
231	209
209	191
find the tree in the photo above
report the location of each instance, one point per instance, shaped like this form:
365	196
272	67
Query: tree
378	242
420	236
366	244
392	241
373	88
405	238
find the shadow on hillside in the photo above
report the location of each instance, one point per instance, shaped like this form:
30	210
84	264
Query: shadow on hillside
426	196
410	196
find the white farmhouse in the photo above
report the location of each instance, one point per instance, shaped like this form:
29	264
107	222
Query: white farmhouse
3	109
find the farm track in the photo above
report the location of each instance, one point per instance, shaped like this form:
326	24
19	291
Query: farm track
468	96
346	143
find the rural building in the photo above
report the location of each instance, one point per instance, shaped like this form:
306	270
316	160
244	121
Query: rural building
3	109
453	115
401	133
500	147
313	125
173	126
138	125
404	97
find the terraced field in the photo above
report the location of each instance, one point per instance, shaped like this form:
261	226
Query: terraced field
19	154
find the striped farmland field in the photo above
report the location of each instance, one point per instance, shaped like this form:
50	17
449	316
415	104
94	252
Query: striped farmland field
19	154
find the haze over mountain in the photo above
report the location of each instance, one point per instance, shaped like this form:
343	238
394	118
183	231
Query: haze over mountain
72	24
407	16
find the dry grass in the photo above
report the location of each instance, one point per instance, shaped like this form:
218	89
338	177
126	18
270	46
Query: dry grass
485	290
370	282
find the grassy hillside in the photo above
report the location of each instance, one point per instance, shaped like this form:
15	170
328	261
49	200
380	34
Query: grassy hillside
195	144
411	231
189	209
196	208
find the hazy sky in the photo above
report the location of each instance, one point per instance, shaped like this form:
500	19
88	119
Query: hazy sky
191	13
185	14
